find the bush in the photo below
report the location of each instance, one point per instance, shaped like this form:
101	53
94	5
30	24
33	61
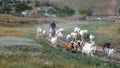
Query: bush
6	8
41	12
57	8
52	11
83	12
68	11
22	7
65	11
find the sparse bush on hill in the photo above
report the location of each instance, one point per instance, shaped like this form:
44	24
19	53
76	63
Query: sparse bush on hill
68	11
83	12
65	11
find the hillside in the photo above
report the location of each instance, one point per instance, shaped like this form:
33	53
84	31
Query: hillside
104	7
97	6
82	3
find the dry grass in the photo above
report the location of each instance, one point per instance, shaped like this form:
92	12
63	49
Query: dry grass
111	30
21	32
10	32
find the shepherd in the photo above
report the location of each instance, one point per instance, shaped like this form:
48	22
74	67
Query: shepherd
53	27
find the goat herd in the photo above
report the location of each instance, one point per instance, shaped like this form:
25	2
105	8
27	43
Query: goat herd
75	41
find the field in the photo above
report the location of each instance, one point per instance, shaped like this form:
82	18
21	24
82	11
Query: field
20	49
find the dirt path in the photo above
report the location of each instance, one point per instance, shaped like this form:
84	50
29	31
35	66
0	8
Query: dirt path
99	54
115	58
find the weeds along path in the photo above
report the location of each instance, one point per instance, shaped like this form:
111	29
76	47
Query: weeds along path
99	54
69	25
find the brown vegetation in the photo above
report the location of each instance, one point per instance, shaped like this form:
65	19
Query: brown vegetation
10	32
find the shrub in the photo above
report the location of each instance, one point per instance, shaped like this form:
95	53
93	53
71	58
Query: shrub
65	11
68	11
57	8
41	12
6	8
83	11
22	7
52	11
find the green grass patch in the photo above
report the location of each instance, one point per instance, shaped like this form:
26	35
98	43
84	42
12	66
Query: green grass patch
61	56
49	57
96	25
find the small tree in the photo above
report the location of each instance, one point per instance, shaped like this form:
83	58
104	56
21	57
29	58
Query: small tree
65	11
6	8
83	12
22	7
68	11
41	12
52	11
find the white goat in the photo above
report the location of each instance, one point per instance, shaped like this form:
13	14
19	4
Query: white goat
89	48
59	33
109	51
74	36
82	33
39	31
77	29
69	38
44	32
61	30
91	37
51	32
54	41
